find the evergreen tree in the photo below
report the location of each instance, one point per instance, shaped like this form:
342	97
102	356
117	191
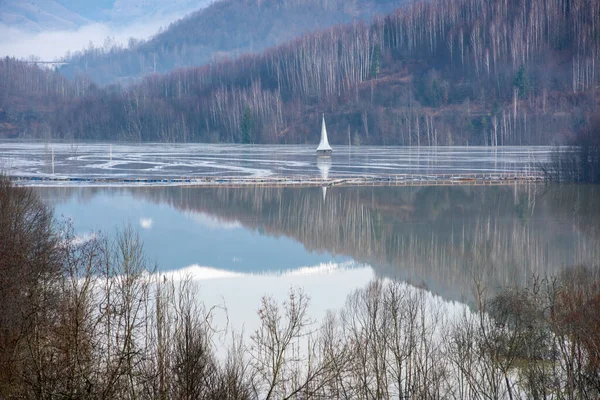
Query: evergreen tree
247	127
376	61
521	82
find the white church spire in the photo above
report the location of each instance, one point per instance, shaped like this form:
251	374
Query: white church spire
324	149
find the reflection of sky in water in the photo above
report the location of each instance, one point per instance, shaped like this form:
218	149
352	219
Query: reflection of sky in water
237	242
326	285
175	239
232	266
235	298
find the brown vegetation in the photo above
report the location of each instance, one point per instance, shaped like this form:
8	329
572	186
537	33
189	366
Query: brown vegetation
29	263
104	328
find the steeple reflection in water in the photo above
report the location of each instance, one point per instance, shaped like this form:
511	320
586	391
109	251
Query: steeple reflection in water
324	165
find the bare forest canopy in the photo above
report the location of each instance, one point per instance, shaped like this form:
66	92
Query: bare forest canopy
223	30
85	319
436	237
492	72
579	162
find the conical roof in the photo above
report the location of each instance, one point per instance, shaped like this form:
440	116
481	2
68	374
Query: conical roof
324	145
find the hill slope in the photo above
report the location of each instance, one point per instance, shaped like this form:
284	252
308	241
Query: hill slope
492	72
226	28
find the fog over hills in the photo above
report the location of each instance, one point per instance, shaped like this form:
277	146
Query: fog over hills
40	15
48	29
37	15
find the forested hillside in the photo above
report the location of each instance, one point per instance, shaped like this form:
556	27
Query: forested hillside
438	72
31	97
225	29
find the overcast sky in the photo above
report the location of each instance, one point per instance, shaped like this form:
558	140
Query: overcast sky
50	45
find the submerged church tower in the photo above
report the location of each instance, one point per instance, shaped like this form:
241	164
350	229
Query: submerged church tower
324	149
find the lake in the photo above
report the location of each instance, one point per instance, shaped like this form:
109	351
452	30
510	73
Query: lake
414	275
243	243
151	161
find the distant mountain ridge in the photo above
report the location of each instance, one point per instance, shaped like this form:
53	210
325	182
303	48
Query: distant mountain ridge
226	28
43	15
37	15
438	72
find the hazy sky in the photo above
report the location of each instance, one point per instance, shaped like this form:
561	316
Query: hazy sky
49	45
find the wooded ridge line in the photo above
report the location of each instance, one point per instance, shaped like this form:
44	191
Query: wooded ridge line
495	72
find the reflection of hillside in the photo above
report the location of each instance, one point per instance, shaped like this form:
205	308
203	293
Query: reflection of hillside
440	236
579	203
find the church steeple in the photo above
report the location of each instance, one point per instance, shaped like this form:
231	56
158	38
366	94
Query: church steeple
324	149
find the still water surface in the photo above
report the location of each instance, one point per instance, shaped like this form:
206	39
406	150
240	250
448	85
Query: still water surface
244	243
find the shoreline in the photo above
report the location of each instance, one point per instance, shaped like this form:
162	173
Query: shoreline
288	181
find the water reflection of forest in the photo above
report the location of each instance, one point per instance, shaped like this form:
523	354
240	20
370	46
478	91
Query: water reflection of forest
439	237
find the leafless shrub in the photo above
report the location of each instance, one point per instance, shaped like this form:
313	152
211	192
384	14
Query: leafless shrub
85	319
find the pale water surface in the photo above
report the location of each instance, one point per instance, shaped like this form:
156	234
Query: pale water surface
152	161
241	244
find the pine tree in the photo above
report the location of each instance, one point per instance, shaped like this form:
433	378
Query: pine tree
376	61
247	127
521	82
